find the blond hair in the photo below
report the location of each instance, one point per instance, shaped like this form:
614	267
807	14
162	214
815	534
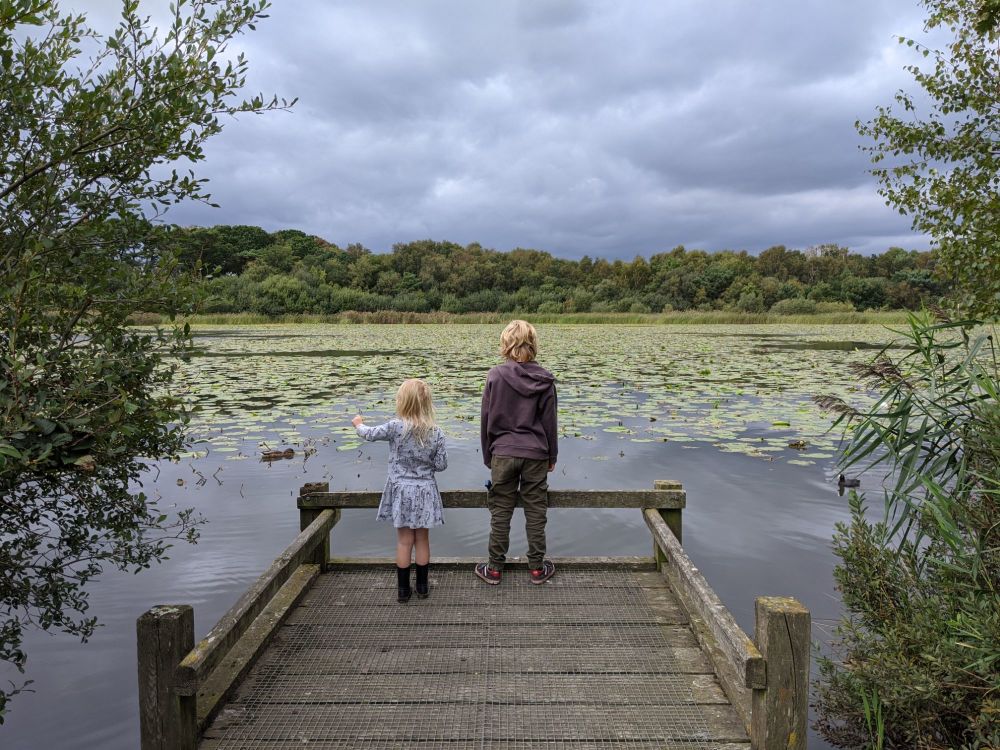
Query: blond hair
519	341
415	408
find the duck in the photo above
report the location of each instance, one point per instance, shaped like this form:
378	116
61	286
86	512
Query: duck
845	482
277	455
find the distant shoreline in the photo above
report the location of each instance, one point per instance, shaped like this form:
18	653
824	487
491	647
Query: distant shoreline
669	318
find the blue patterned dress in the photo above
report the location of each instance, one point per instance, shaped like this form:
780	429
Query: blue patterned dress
411	498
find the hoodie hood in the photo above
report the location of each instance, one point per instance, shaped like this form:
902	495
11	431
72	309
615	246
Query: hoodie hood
526	378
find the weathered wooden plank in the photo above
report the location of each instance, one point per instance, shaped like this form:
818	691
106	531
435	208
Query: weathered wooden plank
478	743
672	516
667	484
473	614
218	685
780	712
321	553
528	634
204	657
702	602
613	572
163	635
627	689
330	660
445	595
725	669
364	724
448	722
421	660
666	498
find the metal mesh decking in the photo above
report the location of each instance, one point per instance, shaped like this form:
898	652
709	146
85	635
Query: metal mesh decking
598	657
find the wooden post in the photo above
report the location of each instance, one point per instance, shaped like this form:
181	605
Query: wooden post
167	721
671	516
308	515
780	711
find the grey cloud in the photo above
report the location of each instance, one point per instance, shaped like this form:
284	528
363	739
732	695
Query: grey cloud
575	127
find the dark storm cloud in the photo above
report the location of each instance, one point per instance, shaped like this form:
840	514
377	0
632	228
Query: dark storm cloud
575	127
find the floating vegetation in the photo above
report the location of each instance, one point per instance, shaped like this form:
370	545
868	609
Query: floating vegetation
281	388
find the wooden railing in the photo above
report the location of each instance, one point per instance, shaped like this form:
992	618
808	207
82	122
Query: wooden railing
765	678
183	685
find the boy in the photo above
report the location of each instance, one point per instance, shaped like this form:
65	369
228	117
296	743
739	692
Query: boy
518	432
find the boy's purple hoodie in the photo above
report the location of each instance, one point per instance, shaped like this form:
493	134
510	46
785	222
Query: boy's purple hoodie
519	412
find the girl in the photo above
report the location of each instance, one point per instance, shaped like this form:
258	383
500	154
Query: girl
411	499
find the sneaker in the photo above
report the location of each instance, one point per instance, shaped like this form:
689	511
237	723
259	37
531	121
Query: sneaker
544	573
489	574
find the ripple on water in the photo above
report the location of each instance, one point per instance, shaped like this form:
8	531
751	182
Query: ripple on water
694	403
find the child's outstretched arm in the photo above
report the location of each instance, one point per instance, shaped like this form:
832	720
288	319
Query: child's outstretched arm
380	432
440	452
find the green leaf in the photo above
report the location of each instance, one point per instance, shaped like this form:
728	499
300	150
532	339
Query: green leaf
6	449
45	425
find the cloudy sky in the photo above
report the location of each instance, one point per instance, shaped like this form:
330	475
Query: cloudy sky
609	128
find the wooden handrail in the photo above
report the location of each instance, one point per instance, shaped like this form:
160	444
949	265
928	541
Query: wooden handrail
767	678
205	656
738	661
667	499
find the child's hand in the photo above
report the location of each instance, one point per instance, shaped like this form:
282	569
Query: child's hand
358	419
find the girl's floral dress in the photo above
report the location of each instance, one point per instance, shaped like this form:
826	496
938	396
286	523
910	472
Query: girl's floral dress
411	498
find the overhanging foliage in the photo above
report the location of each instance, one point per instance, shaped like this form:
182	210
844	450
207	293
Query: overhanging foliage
86	150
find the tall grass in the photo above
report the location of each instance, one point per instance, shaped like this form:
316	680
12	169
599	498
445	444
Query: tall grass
669	318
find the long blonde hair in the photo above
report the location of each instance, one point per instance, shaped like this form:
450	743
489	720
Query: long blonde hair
415	408
519	341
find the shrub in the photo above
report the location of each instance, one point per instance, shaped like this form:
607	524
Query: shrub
411	302
794	306
834	307
921	586
751	302
580	301
341	299
280	295
485	300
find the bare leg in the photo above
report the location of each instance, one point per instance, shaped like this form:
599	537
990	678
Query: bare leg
404	547
422	544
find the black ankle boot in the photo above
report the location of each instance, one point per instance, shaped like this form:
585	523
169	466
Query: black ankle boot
422	588
403	579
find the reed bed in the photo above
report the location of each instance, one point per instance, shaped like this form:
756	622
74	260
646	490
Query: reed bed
669	318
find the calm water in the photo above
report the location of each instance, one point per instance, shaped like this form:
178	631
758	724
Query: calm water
714	407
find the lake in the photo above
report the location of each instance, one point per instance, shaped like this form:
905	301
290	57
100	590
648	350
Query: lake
714	407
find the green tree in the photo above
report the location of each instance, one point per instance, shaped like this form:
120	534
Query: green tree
988	16
86	154
942	168
920	586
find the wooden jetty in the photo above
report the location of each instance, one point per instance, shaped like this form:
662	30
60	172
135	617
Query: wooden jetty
612	652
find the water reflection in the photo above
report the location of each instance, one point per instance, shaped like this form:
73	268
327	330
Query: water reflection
633	407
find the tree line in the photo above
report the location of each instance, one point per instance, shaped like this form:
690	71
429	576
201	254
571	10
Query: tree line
288	272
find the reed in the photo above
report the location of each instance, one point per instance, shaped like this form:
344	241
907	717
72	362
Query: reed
671	318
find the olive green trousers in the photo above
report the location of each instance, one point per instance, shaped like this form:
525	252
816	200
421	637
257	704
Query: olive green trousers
513	479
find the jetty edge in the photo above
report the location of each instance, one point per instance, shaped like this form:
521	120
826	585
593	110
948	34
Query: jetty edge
645	651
